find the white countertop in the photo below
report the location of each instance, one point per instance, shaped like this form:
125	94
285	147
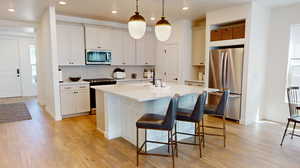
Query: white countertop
147	92
65	83
132	80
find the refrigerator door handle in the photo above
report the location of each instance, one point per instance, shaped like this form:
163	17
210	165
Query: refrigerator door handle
225	73
223	55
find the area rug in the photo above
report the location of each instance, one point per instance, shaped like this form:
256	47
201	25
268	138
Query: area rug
14	112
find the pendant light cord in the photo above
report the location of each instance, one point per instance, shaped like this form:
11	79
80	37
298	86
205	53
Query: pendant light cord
137	5
163	8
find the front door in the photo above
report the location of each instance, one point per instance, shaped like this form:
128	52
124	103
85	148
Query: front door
10	85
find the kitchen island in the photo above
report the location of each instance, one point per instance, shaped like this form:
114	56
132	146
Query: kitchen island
118	107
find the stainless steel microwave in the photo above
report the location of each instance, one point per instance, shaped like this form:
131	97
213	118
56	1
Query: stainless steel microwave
98	57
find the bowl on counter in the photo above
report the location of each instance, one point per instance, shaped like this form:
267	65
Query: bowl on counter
74	79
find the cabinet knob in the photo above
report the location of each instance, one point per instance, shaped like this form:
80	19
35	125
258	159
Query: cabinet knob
123	63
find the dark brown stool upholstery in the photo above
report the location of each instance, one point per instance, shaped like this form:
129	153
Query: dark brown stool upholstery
218	111
157	122
192	115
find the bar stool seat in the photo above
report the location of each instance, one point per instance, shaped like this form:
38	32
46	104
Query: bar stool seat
184	114
211	110
151	121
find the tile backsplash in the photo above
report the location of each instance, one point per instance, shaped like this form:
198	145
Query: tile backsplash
100	71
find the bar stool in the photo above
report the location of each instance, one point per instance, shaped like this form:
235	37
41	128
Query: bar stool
218	111
157	122
192	115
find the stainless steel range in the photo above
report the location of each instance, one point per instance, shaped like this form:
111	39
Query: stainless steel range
97	82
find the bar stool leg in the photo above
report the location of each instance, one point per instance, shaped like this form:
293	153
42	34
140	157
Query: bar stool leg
286	128
200	142
203	132
168	141
195	138
172	149
137	147
145	140
224	131
176	144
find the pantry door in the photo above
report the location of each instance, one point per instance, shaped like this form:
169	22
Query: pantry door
10	75
170	62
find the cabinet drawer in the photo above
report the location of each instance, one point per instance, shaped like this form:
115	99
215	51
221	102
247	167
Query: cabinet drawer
67	88
83	87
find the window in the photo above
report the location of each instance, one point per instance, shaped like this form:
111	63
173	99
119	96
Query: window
294	58
32	53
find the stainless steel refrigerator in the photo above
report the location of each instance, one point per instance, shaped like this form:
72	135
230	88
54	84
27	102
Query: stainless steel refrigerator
226	72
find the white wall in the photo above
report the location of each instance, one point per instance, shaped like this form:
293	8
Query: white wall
254	76
257	22
48	80
282	18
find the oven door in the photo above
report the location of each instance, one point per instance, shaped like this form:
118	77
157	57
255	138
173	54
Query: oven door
96	57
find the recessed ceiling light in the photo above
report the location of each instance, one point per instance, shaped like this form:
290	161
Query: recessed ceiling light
114	11
185	8
152	18
11	10
62	2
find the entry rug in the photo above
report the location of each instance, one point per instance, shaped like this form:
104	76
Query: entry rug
14	112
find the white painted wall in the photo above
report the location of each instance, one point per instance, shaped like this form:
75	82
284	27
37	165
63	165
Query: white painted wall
254	77
48	80
256	37
275	107
182	36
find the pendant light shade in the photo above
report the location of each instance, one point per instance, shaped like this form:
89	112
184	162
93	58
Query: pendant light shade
137	25
163	28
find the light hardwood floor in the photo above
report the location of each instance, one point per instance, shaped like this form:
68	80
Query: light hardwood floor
75	143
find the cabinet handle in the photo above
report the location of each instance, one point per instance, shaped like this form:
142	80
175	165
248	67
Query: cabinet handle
75	92
123	63
146	63
82	87
68	88
98	47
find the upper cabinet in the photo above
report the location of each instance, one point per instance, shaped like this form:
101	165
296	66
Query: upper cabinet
198	45
98	37
146	49
128	51
70	45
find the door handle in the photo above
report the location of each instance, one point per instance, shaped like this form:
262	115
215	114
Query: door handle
176	79
18	72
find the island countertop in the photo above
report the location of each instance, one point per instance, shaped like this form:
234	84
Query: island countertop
147	92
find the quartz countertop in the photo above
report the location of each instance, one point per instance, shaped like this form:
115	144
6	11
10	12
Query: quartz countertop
147	92
132	80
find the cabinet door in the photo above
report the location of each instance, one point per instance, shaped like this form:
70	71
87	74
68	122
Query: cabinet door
128	49
140	51
67	103
198	46
98	37
77	49
117	47
150	49
63	46
82	101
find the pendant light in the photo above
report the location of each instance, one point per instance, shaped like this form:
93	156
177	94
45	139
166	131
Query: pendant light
137	24
163	28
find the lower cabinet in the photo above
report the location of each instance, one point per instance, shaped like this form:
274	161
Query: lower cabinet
75	99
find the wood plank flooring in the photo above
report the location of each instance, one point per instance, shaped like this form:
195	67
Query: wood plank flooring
75	143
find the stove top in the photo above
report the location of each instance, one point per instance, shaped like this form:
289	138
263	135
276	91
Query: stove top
100	81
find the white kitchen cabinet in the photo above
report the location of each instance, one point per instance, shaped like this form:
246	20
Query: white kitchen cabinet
198	44
146	49
117	48
128	49
98	37
75	99
70	45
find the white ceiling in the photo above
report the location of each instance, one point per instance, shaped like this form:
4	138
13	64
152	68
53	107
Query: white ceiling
31	10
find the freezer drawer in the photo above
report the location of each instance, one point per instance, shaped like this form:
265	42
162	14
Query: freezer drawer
233	110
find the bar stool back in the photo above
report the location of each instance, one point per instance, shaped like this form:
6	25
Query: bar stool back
158	122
